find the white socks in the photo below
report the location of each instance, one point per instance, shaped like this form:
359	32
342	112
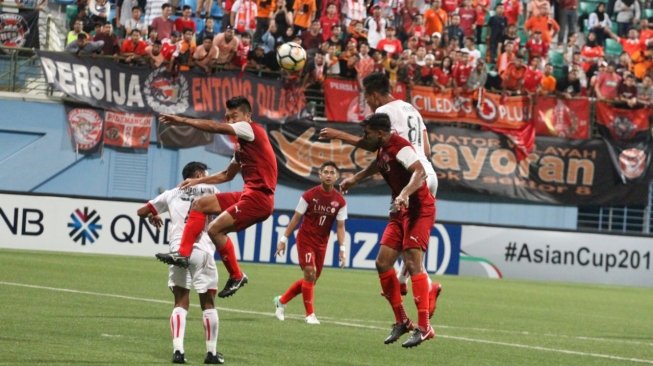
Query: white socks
210	321
178	328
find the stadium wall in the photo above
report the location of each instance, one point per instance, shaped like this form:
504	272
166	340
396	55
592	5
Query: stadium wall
36	156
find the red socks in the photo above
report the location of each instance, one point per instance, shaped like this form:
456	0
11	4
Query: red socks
390	287
228	255
192	229
292	291
421	294
307	295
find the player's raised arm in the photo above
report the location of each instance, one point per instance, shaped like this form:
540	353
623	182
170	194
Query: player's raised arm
347	183
220	177
206	125
328	133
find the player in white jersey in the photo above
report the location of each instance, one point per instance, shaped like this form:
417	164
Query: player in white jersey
407	122
201	274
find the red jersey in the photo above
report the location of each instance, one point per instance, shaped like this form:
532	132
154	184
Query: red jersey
442	76
393	160
450	5
535	48
327	25
389	46
460	73
631	46
258	164
181	24
320	209
467	20
532	79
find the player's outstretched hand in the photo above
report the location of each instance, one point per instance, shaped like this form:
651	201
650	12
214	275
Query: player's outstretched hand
188	183
156	221
170	118
329	133
281	249
400	202
346	184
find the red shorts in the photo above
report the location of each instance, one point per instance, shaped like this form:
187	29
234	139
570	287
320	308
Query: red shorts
405	232
311	256
247	208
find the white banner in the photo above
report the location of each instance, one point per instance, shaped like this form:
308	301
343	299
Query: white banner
557	256
77	225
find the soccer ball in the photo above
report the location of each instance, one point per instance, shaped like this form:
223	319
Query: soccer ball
291	56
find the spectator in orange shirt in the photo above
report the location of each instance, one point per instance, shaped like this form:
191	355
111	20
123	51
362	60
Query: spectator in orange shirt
264	12
303	13
512	79
548	80
183	58
506	57
435	18
154	55
632	44
545	24
591	54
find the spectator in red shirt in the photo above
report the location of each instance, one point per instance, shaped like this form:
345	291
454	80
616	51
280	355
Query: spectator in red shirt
467	18
450	6
133	47
632	44
186	21
536	47
328	21
240	59
591	54
607	83
533	76
163	25
312	38
390	44
442	74
170	45
512	9
481	14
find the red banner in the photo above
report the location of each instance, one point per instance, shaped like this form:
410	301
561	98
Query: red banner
567	118
345	102
127	129
485	109
622	124
85	126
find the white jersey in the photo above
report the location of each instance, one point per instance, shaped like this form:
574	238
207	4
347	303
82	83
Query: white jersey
407	123
177	202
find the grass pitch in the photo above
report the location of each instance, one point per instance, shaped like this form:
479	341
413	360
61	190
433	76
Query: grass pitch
73	309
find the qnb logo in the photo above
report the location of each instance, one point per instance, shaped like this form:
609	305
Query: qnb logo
84	226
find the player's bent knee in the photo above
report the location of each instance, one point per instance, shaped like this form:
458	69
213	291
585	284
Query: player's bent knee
382	265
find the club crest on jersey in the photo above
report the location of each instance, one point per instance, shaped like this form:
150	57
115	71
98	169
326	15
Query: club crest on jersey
335	204
166	94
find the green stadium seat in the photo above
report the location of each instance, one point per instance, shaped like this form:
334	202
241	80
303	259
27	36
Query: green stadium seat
612	47
560	72
557	58
71	14
523	37
648	14
614	28
586	7
482	48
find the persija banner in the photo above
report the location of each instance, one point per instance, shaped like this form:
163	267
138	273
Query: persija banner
485	109
557	117
344	101
576	172
622	124
127	129
86	126
19	30
114	86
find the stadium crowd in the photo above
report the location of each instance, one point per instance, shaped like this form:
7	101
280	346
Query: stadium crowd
563	47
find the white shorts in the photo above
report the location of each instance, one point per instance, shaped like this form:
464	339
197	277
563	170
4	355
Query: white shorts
201	273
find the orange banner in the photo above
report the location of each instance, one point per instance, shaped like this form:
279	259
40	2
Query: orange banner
485	109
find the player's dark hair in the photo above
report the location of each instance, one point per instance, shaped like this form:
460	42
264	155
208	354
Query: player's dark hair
241	103
193	168
376	83
378	122
329	163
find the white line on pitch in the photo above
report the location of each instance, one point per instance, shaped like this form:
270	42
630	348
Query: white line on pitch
347	324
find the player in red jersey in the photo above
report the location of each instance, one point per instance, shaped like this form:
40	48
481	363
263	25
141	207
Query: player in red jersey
412	214
235	211
320	206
